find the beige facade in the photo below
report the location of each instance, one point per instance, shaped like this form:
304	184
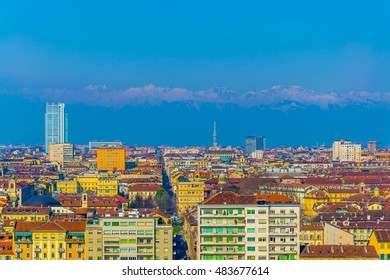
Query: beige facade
61	153
94	242
336	236
132	238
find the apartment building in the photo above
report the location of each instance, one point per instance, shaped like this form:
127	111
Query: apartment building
248	227
135	238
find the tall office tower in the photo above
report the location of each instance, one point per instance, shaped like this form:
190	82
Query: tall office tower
254	143
56	124
215	135
248	227
346	151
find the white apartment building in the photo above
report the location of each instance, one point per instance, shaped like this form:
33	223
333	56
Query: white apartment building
248	227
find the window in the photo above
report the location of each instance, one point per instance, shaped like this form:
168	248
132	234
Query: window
251	221
251	211
251	230
262	239
262	221
166	240
251	248
251	239
107	223
208	230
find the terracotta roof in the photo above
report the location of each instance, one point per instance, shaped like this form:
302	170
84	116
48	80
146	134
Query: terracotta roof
58	225
145	188
382	235
229	197
313	226
26	210
339	252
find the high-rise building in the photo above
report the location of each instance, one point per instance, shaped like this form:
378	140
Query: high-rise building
344	150
254	143
56	124
248	227
371	146
61	153
111	158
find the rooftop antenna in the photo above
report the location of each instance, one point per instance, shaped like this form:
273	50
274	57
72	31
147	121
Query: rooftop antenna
215	135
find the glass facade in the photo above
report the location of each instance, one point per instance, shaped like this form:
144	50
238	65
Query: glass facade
56	124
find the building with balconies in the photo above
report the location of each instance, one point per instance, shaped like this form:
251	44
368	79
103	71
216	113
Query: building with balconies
248	227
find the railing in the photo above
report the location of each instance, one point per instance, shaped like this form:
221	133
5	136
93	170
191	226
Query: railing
18	250
285	215
75	240
37	250
61	250
282	234
80	250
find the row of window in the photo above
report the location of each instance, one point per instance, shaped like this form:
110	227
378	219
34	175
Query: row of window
130	224
133	232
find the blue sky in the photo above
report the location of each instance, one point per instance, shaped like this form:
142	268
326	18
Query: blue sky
214	58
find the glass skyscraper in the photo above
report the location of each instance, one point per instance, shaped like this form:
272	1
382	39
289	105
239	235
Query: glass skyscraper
56	124
254	143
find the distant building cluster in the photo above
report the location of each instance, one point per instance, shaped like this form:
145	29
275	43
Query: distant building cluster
110	201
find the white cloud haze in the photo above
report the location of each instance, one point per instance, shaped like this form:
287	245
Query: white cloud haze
276	97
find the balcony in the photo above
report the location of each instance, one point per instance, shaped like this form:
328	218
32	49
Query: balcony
141	252
283	215
80	250
290	234
75	240
282	225
223	215
61	250
284	243
222	234
224	252
23	240
37	250
18	250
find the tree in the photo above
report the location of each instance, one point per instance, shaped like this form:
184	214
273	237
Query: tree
164	201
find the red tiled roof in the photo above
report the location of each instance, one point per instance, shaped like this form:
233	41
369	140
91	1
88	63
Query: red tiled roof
339	252
145	188
382	235
229	197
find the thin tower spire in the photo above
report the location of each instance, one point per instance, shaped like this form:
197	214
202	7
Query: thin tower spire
215	135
